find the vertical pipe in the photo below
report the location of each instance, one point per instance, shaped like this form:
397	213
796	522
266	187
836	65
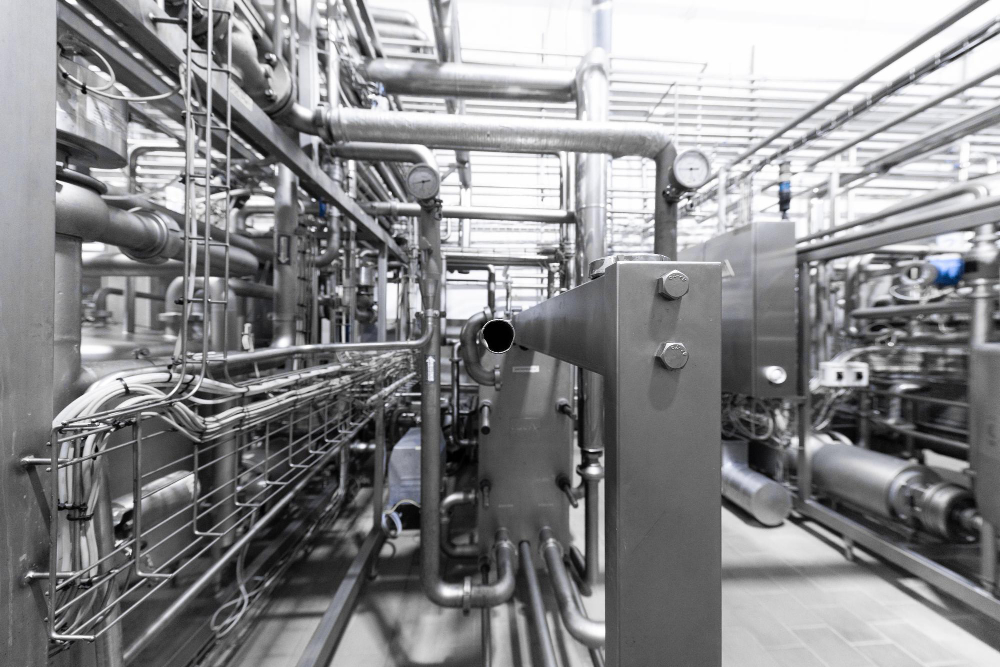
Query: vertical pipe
600	19
536	608
592	472
285	257
665	208
381	297
723	200
129	324
378	477
430	404
805	372
68	314
485	614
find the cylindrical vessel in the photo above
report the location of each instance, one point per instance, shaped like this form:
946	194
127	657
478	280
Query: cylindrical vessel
762	497
868	480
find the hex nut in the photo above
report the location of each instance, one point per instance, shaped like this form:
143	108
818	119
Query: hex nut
673	356
673	285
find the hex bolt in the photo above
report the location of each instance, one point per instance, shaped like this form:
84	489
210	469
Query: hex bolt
673	285
673	356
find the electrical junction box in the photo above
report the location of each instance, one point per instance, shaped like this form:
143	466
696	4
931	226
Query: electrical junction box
843	374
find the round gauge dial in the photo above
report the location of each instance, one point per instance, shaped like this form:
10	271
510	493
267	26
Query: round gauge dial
691	169
423	181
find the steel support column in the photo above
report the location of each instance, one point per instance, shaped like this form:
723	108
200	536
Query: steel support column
662	451
28	144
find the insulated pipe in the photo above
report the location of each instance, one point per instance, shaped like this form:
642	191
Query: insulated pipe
469	338
553	216
587	632
470	81
497	134
536	607
760	496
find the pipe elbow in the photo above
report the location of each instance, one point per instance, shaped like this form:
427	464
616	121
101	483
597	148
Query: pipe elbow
468	595
586	631
470	349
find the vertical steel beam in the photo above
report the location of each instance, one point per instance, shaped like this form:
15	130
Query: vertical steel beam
27	114
662	450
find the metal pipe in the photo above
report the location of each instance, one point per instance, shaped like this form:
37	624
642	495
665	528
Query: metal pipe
484	417
536	608
760	496
850	85
440	592
553	216
147	236
587	632
389	152
911	310
286	254
498	335
470	81
488	133
591	473
453	550
469	338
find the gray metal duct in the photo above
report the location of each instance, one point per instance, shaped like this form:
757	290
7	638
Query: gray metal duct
469	81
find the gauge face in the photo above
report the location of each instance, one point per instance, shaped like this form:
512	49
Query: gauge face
691	169
423	181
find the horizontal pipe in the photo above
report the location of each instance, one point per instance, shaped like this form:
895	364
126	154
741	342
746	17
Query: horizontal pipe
117	264
271	354
471	81
976	190
389	152
490	133
589	633
143	235
553	216
910	310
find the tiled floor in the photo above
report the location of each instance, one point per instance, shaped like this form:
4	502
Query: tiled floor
790	599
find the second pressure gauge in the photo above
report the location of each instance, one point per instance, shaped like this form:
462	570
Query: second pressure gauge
691	169
423	181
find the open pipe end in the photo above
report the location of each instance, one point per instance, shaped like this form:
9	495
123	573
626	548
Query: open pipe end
498	335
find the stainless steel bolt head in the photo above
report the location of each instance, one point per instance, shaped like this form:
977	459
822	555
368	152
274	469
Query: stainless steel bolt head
673	285
673	356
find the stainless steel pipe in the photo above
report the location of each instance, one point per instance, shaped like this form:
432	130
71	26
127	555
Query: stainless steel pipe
552	216
471	81
536	607
469	338
587	632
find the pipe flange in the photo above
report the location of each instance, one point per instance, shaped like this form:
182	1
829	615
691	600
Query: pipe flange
466	595
168	239
939	508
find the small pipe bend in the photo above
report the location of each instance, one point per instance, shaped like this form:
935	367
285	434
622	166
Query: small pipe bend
587	632
468	595
470	349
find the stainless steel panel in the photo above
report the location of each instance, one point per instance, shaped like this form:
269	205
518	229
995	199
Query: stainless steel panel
758	305
529	446
662	452
27	267
984	429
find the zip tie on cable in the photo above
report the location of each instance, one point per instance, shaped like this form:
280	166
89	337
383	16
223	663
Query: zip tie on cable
124	384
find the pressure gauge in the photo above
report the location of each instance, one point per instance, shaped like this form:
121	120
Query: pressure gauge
691	169
423	181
